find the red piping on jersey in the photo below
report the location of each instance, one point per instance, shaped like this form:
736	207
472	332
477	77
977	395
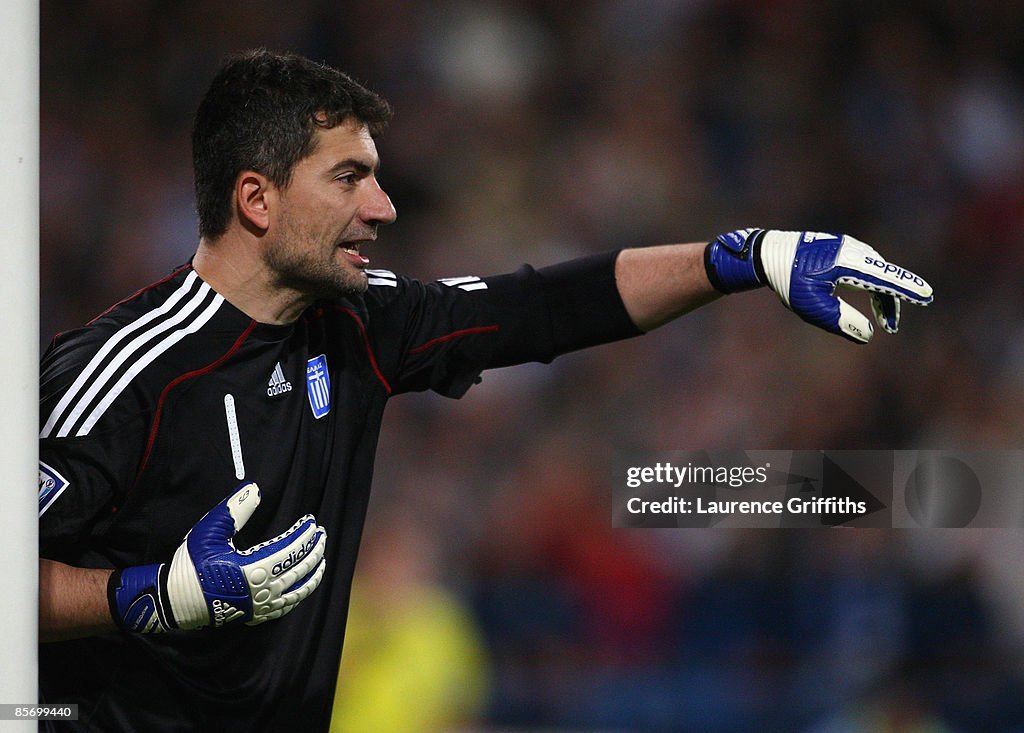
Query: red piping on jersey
140	292
454	335
178	380
366	343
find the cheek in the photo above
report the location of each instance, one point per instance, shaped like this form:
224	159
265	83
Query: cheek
327	219
318	224
318	220
304	232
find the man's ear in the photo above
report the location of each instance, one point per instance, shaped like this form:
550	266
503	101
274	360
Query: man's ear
254	195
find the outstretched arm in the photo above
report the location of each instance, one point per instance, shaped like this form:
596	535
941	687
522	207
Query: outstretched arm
659	284
805	269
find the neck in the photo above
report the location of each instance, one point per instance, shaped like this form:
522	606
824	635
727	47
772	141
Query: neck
234	269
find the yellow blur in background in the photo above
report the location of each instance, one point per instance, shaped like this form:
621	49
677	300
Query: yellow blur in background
414	660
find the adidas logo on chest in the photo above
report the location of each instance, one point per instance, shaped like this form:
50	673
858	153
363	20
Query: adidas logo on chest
278	384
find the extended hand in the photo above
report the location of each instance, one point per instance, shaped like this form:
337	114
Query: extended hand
806	268
210	583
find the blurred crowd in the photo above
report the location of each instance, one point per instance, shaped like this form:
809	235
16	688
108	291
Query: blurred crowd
493	592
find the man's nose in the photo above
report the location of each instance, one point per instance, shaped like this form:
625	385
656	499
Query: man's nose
378	208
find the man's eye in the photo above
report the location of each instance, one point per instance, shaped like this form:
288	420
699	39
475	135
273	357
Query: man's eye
349	179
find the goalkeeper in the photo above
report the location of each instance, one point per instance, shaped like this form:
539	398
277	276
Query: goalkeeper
207	445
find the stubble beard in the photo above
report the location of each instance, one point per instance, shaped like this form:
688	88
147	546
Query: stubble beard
303	263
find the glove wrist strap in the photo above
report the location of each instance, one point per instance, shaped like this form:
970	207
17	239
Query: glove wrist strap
136	597
733	261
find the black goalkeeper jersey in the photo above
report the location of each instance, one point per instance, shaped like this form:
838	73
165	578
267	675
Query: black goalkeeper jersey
156	410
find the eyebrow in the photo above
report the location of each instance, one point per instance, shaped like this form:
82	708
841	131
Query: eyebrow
359	166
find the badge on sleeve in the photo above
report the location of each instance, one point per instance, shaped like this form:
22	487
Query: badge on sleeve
318	386
51	485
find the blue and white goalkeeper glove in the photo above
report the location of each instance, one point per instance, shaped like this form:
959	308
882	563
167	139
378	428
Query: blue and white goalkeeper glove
210	583
806	268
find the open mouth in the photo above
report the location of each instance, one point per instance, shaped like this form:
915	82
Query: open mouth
351	250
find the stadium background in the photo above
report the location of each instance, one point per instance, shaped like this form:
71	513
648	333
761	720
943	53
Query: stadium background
493	593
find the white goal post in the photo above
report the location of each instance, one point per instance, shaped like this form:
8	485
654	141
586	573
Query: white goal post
19	334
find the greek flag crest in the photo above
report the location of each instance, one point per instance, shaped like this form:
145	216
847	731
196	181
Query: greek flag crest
318	385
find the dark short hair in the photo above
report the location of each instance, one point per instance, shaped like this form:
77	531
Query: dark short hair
260	113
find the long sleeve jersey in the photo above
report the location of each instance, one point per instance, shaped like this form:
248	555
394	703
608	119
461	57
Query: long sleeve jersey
154	411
